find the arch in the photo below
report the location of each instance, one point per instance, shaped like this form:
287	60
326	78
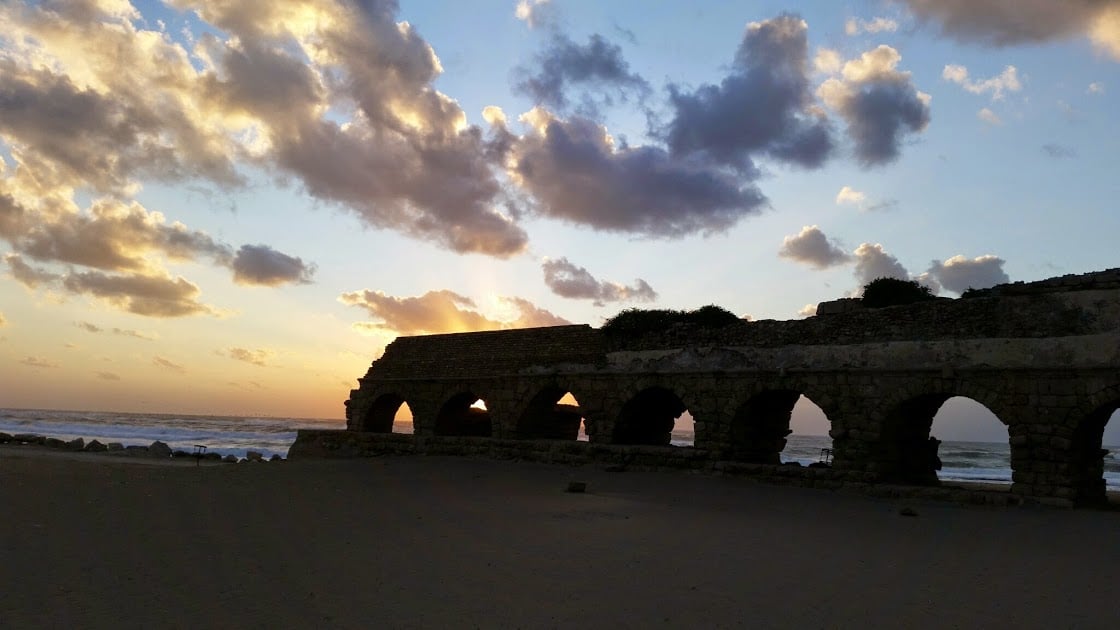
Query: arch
1089	454
648	417
547	418
907	452
761	425
380	415
460	416
976	443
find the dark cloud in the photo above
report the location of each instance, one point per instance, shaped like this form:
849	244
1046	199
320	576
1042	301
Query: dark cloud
152	296
259	357
572	281
872	262
114	236
407	162
108	376
1008	22
1059	151
123	332
262	265
763	107
105	139
38	362
167	365
813	248
598	67
27	275
577	173
440	312
880	105
958	274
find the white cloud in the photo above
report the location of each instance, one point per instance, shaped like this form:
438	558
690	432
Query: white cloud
808	310
1096	87
533	12
848	195
876	25
440	312
989	117
1006	81
813	248
827	61
959	273
873	261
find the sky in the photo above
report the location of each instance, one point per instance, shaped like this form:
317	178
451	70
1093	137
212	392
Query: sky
232	206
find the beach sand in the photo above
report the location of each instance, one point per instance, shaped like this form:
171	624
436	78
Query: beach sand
433	542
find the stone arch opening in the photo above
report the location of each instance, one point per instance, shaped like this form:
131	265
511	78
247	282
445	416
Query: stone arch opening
385	413
763	425
1096	452
974	444
553	414
910	453
464	414
649	417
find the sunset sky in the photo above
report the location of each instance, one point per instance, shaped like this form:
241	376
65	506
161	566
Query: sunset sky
232	206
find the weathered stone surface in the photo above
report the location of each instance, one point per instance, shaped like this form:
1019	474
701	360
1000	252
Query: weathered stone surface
76	444
1044	357
159	449
254	456
95	447
230	459
114	446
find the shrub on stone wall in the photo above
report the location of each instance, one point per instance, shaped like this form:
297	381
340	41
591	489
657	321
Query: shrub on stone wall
634	322
882	292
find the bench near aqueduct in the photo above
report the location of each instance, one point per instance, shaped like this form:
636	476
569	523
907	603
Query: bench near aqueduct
1044	357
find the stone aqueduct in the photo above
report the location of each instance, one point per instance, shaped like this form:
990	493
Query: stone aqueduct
1044	357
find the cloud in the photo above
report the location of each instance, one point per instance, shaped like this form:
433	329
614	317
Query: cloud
88	327
38	362
1011	22
959	273
763	107
578	173
113	236
808	310
1059	151
988	116
813	248
827	61
1006	81
123	332
568	280
1096	87
879	104
598	65
441	312
873	262
167	365
25	274
108	376
338	97
848	195
259	357
853	26
262	265
535	13
3	321
152	296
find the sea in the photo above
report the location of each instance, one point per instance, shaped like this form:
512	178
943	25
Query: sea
987	462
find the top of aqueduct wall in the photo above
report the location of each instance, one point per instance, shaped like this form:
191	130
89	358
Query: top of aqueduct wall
1034	323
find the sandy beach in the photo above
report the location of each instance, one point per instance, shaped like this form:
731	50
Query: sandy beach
432	542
